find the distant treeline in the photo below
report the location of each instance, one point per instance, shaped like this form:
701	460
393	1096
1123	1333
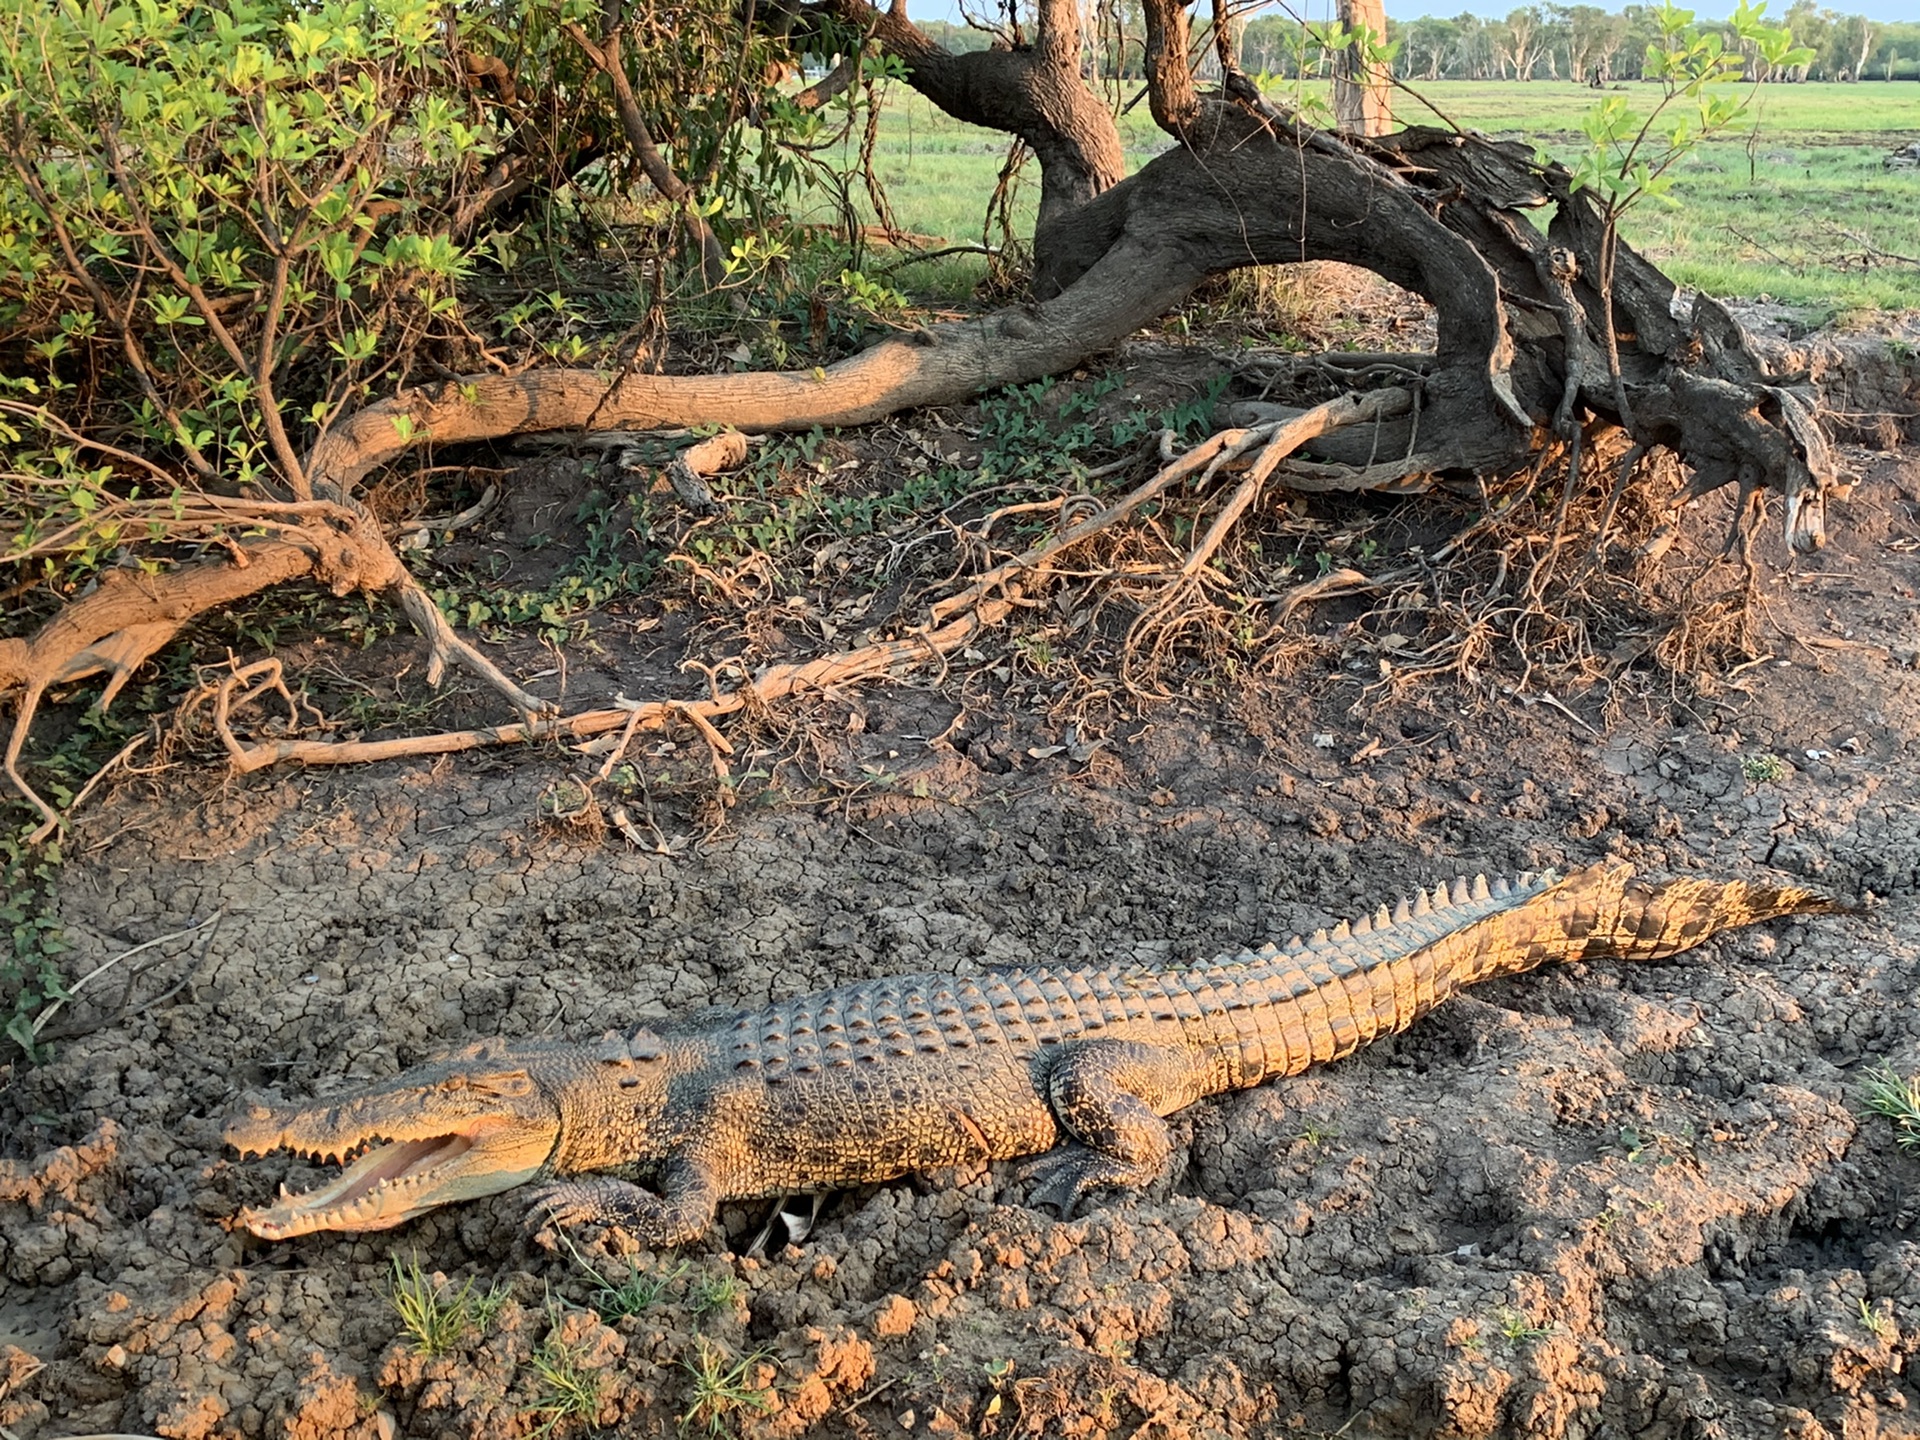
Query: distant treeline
1534	42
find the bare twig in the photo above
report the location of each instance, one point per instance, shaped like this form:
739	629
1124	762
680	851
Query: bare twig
775	682
40	1020
1773	255
47	827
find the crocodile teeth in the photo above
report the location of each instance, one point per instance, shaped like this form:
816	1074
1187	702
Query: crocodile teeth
1319	938
1440	899
1384	917
1342	931
1460	892
1480	891
1402	911
1501	888
1363	926
1422	903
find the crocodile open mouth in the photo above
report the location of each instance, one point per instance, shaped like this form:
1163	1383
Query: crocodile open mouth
389	1183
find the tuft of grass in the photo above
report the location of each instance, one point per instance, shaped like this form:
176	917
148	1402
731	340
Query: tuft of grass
722	1391
567	1388
635	1295
713	1293
1885	1092
1763	769
624	1299
1516	1329
435	1314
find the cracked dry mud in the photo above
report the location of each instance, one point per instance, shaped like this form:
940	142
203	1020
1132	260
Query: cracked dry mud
1600	1201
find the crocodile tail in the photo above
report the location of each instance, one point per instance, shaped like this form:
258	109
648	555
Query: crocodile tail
1658	920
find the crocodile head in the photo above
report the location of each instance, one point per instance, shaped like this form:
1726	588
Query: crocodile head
476	1122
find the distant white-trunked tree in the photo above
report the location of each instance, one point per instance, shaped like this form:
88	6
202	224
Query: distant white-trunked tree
1362	98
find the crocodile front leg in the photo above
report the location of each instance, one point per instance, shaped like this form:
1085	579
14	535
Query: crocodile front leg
1110	1096
682	1212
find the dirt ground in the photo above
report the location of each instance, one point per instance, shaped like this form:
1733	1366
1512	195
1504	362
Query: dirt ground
1602	1201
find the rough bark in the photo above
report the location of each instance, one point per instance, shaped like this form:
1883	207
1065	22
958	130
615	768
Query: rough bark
1362	98
1127	288
1171	96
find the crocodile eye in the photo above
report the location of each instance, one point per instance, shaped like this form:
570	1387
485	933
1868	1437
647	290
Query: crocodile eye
510	1083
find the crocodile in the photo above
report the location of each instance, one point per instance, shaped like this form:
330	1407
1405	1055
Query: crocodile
877	1079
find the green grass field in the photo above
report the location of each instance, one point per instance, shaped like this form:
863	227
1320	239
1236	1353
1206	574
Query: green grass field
1794	217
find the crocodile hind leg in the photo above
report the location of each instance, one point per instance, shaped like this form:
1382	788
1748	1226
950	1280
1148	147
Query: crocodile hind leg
1109	1095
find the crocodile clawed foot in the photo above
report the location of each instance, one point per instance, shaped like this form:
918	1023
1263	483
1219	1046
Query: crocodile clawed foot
625	1210
1063	1177
558	1207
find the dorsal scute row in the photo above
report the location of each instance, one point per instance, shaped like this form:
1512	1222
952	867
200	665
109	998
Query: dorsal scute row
1422	905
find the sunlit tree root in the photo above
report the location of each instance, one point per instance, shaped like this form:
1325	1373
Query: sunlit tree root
130	615
1526	349
775	682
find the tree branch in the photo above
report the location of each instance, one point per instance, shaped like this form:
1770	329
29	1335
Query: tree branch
1170	93
605	58
1035	94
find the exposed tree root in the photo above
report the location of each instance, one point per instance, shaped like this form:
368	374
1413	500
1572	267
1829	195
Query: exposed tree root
775	682
130	615
1527	348
936	365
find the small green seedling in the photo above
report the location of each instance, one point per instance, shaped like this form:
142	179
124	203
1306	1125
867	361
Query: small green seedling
1516	1329
1877	1323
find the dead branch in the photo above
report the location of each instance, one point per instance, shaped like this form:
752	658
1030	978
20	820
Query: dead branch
40	1020
1276	440
605	57
130	615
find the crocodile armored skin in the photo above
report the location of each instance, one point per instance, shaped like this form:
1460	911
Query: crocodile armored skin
885	1077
